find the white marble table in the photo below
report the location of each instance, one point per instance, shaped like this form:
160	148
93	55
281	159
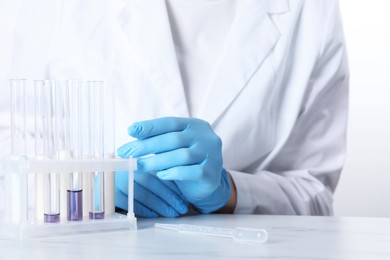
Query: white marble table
291	237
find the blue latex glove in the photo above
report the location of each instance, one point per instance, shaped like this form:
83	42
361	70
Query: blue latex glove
152	197
185	150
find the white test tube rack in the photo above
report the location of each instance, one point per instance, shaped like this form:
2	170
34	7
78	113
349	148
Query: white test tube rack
19	220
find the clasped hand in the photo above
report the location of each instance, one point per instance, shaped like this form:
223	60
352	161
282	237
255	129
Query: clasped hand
185	151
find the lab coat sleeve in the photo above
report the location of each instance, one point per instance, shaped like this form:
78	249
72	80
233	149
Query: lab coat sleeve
302	176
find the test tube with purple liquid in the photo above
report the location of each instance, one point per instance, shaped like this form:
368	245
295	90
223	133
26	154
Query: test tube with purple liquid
75	186
50	117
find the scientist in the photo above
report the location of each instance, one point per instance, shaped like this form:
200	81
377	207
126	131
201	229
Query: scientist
229	106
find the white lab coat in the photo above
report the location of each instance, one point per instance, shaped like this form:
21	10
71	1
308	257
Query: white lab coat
278	98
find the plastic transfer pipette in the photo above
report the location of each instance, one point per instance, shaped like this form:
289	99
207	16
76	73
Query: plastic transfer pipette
239	234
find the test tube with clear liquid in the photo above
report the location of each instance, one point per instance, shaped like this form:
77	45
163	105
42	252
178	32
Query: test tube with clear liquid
52	179
109	147
41	144
85	139
16	201
97	145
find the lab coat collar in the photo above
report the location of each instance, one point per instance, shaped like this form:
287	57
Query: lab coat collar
253	36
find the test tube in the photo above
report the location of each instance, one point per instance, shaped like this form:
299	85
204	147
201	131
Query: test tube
75	186
97	143
86	148
109	148
52	182
41	153
18	199
18	117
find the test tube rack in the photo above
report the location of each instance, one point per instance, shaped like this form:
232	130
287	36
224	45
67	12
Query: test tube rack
19	221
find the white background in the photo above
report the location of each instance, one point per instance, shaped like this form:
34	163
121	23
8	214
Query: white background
364	187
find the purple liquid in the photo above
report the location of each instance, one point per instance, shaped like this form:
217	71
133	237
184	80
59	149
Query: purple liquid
75	205
96	215
52	218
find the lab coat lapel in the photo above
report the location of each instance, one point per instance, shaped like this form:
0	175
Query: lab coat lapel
149	33
251	39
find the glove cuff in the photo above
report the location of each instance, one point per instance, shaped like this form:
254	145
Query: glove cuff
218	198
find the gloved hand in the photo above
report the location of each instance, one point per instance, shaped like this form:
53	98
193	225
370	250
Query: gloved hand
152	197
185	150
